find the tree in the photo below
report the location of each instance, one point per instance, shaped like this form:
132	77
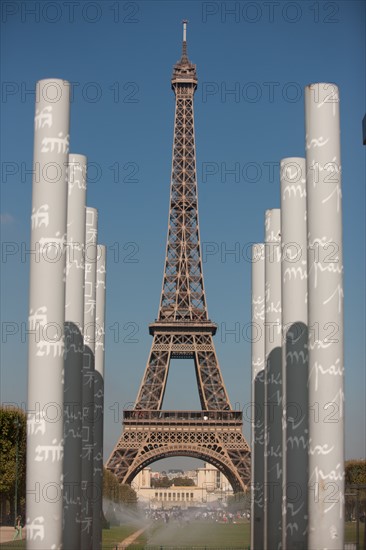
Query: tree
183	482
12	461
165	482
116	492
118	498
355	474
239	502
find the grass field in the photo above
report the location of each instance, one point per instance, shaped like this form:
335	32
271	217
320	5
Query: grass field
200	533
110	538
203	535
16	545
194	535
117	534
350	532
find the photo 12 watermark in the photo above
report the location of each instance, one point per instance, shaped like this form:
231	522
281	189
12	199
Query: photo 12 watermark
250	12
71	12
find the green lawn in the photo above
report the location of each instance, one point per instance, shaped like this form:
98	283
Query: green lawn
350	532
16	545
198	533
110	538
117	534
209	535
205	534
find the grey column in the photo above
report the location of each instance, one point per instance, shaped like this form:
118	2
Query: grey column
325	308
74	350
273	381
258	362
294	352
99	396
47	315
87	462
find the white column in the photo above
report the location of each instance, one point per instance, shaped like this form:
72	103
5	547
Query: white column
99	396
47	315
325	307
87	462
294	352
74	349
258	363
273	381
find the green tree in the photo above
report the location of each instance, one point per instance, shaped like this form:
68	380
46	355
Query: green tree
116	492
12	461
183	482
165	482
118	499
239	502
355	474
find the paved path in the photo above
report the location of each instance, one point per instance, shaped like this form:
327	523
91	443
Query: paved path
129	540
7	533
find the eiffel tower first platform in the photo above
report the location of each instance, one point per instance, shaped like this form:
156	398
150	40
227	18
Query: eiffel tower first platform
183	331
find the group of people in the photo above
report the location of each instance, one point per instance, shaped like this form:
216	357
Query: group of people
184	516
221	516
167	515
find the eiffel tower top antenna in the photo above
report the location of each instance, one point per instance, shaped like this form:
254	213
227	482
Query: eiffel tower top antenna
184	72
184	45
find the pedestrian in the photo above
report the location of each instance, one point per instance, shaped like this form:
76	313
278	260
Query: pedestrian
18	528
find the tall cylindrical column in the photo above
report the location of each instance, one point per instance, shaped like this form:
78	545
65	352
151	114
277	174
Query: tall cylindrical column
47	315
87	462
294	352
273	381
99	396
325	308
258	362
74	350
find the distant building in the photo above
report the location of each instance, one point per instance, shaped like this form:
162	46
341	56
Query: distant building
175	473
211	490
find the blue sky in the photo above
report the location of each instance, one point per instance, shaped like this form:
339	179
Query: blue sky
119	55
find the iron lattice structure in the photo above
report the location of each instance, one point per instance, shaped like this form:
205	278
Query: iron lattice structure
183	330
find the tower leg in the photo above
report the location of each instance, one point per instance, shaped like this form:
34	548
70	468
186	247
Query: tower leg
152	388
211	386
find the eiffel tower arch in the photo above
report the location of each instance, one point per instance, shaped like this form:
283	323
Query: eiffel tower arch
183	330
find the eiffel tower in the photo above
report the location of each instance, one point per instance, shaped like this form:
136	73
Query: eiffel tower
183	331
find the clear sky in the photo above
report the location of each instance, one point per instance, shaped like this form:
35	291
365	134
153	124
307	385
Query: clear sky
253	60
